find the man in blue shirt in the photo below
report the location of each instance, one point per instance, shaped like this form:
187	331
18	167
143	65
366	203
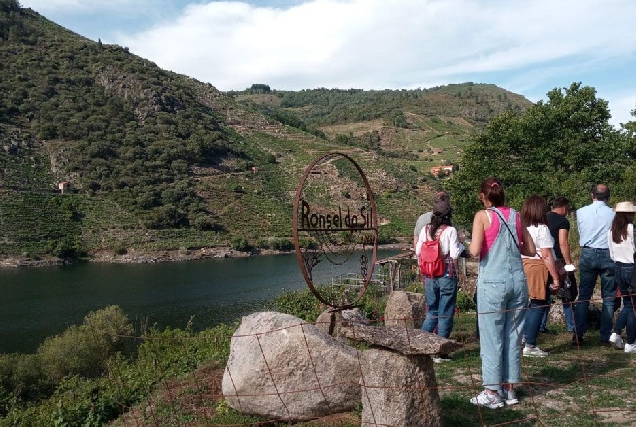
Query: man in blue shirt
594	220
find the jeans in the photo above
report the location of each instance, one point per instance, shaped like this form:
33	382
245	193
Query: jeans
595	263
569	317
534	316
568	312
623	277
441	296
544	320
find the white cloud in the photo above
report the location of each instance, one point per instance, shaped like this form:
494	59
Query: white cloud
382	44
527	47
621	105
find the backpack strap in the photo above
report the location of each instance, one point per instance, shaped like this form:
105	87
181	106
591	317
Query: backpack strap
437	237
514	239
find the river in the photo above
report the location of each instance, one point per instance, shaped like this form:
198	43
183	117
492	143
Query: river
41	302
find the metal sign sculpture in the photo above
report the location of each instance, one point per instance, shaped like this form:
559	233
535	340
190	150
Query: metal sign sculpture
335	224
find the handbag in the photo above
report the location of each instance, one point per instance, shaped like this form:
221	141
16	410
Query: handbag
567	290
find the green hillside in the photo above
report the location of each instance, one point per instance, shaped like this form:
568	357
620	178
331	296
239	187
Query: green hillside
417	125
158	160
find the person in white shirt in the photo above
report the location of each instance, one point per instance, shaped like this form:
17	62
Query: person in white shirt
441	292
620	239
425	219
538	269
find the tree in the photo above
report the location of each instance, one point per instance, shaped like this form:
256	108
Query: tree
630	127
627	186
559	147
260	88
10	6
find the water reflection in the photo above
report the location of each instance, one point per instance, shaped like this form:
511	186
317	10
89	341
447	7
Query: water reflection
41	302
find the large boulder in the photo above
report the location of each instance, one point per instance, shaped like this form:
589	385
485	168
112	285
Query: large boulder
406	309
283	367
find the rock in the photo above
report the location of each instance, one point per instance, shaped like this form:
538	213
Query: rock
398	382
406	309
282	367
398	390
556	313
329	321
406	341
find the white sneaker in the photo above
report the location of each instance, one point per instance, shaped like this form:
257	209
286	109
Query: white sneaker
442	358
616	340
630	348
509	396
488	400
534	352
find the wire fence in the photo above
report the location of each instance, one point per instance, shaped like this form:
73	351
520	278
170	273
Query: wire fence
574	385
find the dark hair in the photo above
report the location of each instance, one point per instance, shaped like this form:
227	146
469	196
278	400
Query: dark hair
534	211
492	189
619	225
560	202
441	196
601	192
437	221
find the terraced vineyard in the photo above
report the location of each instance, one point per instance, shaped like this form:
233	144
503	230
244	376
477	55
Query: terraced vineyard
161	161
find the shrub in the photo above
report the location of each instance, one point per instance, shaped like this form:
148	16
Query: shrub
262	243
300	303
373	303
21	377
308	243
203	223
464	301
385	236
241	244
69	248
304	304
85	349
282	245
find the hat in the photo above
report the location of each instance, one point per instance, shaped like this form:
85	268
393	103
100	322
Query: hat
441	208
625	207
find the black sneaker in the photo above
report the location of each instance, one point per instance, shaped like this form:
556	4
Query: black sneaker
577	341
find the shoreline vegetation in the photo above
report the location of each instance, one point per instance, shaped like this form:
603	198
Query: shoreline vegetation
149	257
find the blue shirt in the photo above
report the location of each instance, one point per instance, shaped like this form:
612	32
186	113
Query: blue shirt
594	221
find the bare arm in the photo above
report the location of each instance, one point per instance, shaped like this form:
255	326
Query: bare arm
477	237
418	242
548	260
564	244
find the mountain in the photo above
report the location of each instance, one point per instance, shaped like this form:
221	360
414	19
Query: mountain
152	160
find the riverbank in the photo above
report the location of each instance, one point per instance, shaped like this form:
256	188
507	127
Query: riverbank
147	257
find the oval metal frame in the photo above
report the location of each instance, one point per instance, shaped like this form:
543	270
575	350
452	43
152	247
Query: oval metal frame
374	228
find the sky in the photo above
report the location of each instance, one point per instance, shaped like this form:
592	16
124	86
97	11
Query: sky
525	46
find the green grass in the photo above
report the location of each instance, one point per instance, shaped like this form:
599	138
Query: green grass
571	387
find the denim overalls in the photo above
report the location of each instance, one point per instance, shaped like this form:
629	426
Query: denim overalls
502	296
